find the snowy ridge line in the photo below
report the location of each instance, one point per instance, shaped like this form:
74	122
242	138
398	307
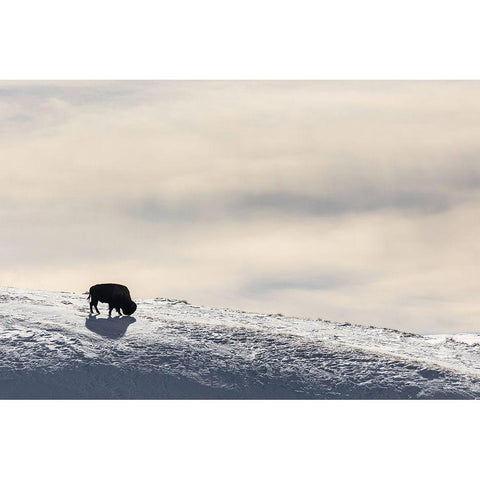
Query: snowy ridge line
50	347
175	301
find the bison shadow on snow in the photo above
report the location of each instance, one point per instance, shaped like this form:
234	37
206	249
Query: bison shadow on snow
115	327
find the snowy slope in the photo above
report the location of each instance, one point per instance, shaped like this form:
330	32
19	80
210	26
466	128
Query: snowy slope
50	347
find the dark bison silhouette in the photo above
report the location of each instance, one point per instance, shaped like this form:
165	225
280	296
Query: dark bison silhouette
117	297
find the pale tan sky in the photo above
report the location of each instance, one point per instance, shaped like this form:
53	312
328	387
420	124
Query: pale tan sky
349	201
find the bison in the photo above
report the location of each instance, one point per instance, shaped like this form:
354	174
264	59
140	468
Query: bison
117	297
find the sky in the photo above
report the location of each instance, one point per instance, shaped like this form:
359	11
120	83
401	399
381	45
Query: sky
348	201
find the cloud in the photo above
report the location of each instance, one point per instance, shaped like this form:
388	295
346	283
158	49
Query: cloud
304	281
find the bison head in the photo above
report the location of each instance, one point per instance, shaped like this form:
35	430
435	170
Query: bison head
129	309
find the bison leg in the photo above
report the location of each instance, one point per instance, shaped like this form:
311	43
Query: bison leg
110	308
94	303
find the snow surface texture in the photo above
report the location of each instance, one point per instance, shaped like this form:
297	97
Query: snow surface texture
51	348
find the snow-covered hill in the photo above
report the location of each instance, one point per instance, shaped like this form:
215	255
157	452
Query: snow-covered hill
50	347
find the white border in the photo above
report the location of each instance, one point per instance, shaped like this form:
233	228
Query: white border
239	439
258	39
